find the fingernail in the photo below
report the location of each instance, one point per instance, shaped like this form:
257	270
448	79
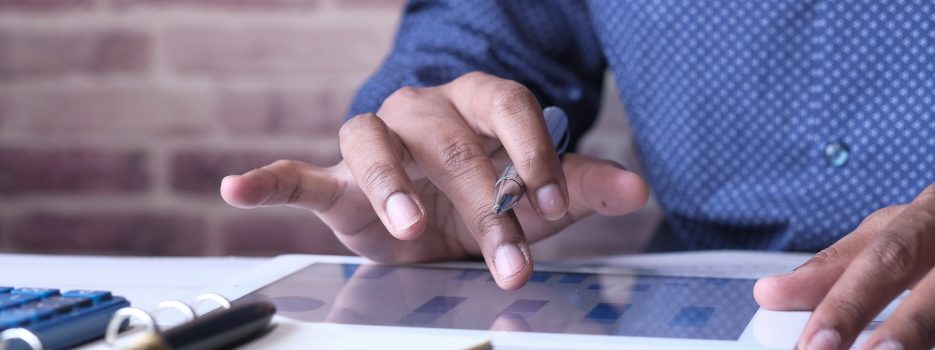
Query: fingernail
889	344
825	339
402	211
509	260
551	202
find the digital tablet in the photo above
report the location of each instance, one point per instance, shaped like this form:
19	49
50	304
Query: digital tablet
558	309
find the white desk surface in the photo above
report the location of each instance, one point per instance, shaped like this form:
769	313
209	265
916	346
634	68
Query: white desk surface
148	280
143	281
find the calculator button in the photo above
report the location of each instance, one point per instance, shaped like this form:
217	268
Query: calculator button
95	295
12	320
13	300
61	305
30	314
40	292
63	320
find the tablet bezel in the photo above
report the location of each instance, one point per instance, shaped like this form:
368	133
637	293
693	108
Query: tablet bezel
766	330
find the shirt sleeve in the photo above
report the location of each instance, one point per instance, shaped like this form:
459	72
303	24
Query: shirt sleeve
548	46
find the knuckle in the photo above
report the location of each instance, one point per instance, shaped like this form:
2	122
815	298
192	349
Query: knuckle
378	173
286	164
461	156
897	255
485	222
337	190
290	188
850	313
921	324
359	124
927	197
402	97
930	189
294	193
474	75
825	256
536	158
510	98
881	217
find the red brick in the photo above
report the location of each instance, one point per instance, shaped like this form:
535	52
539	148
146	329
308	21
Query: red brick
6	108
200	172
258	234
71	172
52	53
112	111
45	5
326	55
278	111
223	4
109	233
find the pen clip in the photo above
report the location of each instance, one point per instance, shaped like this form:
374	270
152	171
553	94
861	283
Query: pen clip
557	122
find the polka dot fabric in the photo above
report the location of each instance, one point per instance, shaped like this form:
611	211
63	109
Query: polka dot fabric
772	125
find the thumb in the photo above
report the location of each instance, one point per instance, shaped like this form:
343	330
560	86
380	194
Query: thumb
596	185
805	287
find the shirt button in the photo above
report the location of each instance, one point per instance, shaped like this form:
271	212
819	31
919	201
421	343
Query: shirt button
837	153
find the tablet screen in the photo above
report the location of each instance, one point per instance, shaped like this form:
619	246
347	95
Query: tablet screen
552	302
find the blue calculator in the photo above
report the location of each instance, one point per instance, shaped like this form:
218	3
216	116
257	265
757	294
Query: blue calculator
56	320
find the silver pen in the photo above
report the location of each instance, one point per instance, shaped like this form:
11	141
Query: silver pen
510	187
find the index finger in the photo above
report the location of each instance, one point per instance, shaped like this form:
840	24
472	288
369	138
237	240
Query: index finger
509	111
284	182
894	259
452	157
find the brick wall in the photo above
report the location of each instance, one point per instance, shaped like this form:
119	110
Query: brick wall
118	119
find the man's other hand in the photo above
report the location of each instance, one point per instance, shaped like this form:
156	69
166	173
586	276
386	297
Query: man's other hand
849	283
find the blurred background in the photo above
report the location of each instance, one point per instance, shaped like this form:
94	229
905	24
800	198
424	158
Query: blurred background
118	119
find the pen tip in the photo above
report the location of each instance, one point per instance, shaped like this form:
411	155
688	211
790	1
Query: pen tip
498	209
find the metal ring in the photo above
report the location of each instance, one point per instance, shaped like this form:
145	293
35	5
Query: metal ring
184	309
217	298
516	180
124	314
22	334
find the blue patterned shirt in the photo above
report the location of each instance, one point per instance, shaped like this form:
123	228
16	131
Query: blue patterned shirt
772	125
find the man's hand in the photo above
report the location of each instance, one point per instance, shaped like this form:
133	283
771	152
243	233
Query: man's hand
849	283
417	179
